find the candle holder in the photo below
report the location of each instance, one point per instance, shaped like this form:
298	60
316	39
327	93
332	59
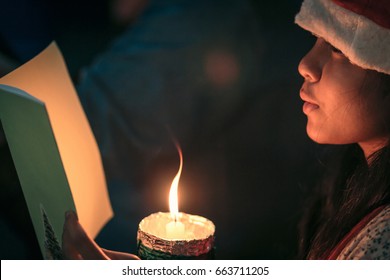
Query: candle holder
155	242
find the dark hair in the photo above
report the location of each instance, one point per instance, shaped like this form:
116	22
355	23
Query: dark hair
351	189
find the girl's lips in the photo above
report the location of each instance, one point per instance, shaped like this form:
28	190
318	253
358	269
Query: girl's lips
309	107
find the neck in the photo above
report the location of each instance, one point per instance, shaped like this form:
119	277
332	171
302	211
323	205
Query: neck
370	147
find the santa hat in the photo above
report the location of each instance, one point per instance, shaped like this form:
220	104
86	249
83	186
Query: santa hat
359	28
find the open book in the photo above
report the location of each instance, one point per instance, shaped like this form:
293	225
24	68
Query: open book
53	148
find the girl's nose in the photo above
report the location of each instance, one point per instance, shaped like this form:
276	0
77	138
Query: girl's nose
310	66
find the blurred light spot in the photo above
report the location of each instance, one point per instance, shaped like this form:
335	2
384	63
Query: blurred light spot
221	68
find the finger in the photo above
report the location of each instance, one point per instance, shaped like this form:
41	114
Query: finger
69	249
76	242
82	243
120	255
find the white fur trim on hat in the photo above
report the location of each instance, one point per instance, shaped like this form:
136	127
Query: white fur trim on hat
364	42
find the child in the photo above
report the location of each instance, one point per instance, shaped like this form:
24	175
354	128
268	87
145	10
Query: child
346	94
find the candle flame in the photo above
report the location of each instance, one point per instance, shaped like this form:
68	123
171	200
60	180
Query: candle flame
173	196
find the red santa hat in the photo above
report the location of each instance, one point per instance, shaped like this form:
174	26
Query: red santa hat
359	28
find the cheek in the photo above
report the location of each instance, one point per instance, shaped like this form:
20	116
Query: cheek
342	105
343	81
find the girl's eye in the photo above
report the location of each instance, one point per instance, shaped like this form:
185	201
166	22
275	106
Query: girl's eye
335	50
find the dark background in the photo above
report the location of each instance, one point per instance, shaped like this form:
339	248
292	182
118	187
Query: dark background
259	169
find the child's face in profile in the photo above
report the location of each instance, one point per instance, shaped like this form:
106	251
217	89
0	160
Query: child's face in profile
344	103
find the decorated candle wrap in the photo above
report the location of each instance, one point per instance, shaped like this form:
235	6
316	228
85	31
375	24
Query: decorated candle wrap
175	235
189	237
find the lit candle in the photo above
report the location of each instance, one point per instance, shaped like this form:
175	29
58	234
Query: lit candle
175	229
175	235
